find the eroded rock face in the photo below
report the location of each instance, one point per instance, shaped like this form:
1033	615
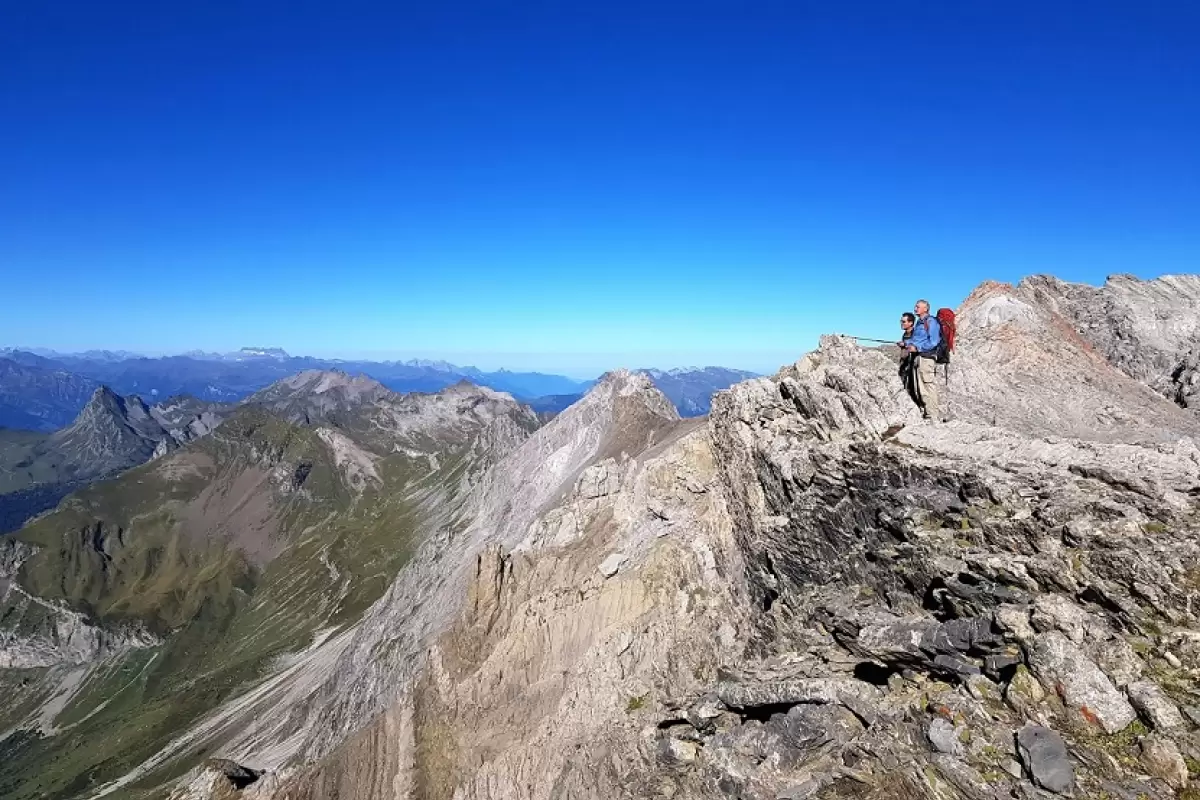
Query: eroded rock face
1148	329
810	594
37	633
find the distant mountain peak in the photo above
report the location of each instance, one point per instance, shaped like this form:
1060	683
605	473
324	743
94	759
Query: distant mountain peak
436	365
104	394
105	404
467	387
113	433
624	380
263	352
104	401
321	381
315	393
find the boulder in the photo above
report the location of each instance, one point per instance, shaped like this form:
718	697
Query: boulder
1014	620
612	565
944	737
702	713
676	751
1063	668
1044	754
1119	661
1154	706
1023	692
787	740
1162	759
802	691
1056	612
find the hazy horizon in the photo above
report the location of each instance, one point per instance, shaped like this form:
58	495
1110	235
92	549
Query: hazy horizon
549	363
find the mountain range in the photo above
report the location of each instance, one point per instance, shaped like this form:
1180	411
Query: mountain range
345	591
112	433
45	390
40	398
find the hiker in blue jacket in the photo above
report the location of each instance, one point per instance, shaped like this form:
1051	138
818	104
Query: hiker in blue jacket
927	334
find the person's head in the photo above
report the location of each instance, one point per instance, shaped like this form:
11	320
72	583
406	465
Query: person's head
907	320
922	308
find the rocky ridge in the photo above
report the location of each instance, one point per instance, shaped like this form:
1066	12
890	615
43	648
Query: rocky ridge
38	633
114	433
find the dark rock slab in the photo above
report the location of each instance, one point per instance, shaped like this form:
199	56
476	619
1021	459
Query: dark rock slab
1044	754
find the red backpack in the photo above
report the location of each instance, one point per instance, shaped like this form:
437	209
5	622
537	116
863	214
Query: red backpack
945	318
945	346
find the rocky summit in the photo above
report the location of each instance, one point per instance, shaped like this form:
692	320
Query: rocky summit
811	593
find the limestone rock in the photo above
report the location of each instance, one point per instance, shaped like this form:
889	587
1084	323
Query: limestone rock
1055	612
813	690
702	712
1014	620
1163	760
1154	705
217	779
611	565
675	751
1062	667
788	740
1118	660
944	737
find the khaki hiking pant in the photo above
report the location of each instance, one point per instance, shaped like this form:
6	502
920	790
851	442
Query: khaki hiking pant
927	381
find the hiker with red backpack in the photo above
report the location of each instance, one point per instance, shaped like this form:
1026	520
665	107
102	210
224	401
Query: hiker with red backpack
931	341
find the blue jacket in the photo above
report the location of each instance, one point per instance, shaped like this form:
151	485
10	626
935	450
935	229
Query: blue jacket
926	342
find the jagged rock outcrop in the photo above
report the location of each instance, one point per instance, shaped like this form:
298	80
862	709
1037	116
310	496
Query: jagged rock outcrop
114	433
1148	329
812	593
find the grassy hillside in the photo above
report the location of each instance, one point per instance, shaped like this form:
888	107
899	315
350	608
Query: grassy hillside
234	550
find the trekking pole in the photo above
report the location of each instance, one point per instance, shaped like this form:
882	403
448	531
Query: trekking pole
868	339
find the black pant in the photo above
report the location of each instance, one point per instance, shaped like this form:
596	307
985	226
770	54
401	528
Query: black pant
908	376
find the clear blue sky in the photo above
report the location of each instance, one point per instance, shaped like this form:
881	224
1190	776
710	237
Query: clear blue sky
572	185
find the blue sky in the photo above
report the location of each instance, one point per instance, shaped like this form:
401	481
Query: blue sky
575	186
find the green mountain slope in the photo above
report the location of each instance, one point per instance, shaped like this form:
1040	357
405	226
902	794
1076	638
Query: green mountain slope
231	554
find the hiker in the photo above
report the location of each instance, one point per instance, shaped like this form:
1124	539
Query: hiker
908	364
927	335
